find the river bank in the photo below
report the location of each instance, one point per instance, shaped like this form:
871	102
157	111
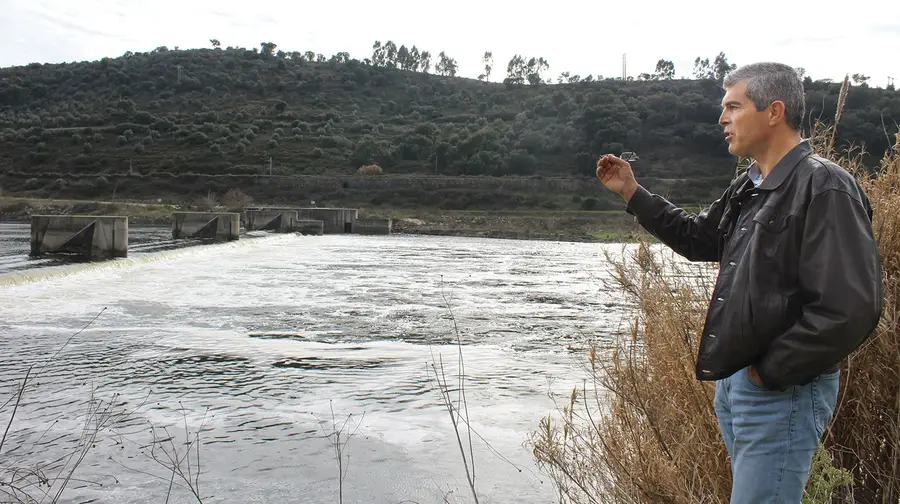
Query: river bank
575	226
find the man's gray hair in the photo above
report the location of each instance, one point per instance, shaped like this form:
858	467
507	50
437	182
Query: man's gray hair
769	82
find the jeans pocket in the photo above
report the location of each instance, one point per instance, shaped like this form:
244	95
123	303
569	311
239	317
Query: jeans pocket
752	383
824	390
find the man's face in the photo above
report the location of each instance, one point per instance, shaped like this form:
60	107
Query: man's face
746	129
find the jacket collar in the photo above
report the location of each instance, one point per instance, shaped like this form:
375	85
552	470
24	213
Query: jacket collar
785	166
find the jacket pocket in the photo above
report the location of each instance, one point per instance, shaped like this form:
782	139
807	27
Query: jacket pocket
770	234
771	220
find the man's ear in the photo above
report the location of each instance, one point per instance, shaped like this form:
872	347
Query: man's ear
776	112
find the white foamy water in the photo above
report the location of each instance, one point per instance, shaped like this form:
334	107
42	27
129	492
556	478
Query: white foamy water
261	339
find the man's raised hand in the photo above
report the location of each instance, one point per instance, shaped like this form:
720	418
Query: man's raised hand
616	175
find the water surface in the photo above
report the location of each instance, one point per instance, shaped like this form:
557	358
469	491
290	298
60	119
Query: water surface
272	342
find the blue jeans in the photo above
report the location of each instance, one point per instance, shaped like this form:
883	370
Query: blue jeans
772	435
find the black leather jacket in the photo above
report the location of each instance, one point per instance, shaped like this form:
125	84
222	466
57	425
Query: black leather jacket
800	280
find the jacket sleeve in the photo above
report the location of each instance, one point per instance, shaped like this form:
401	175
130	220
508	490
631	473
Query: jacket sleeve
696	237
840	282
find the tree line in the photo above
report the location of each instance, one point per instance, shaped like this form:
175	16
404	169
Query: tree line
238	111
519	70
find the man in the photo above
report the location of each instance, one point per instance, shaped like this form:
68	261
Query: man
799	283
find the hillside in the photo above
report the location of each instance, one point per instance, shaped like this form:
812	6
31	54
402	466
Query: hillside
292	127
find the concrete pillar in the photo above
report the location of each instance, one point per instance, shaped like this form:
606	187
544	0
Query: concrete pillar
87	236
270	219
309	227
219	226
373	226
335	220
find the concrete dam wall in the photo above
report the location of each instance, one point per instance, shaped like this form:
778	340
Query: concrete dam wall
309	227
334	220
373	226
270	219
106	237
219	226
91	237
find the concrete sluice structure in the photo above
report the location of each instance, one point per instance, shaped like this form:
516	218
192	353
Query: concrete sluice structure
218	226
94	237
334	220
270	219
309	227
86	236
373	226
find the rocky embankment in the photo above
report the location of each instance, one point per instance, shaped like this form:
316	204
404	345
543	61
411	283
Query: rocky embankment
574	226
21	209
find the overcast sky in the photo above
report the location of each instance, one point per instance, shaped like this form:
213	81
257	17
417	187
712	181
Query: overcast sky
580	36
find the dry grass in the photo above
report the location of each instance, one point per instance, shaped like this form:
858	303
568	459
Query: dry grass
205	204
25	475
645	430
865	437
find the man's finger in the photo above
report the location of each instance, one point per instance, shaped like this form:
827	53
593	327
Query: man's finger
604	161
604	173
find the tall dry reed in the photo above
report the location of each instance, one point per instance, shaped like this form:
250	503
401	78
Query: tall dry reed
644	430
865	436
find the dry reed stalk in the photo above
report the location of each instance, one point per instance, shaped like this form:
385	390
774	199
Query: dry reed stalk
842	100
865	436
182	470
459	412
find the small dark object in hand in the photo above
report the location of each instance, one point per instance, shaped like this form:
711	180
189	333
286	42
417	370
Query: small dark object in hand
629	156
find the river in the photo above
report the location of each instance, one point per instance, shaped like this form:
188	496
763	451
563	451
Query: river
273	341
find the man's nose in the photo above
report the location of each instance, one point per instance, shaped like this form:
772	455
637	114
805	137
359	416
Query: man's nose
723	118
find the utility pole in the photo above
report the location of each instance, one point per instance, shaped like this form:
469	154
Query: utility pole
270	166
179	67
624	71
890	81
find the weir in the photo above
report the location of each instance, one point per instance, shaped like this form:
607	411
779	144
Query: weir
218	226
270	219
87	236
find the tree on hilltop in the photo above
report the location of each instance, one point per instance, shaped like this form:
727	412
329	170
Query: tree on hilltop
488	60
267	48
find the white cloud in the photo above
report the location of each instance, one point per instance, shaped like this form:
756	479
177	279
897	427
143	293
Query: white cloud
581	37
